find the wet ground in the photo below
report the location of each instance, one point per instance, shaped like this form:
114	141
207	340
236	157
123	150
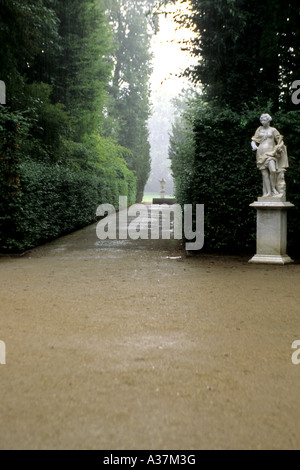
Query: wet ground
132	345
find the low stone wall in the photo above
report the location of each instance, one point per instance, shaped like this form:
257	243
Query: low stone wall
169	201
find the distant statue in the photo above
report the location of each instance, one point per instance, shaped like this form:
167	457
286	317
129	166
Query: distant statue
271	157
162	190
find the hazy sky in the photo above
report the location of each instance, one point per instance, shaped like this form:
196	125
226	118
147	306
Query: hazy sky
169	59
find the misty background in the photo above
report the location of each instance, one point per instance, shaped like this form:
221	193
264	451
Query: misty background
170	59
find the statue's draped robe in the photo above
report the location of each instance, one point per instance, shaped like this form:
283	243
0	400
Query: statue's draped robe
269	149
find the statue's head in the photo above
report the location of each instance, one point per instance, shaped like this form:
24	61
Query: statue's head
265	118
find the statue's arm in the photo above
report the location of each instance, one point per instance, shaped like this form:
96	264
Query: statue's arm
255	140
278	140
278	137
253	145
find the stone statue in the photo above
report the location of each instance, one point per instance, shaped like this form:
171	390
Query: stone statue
271	158
162	190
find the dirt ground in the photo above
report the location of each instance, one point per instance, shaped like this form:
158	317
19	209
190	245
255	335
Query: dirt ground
115	345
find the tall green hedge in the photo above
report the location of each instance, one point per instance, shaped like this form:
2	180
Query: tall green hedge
54	200
40	201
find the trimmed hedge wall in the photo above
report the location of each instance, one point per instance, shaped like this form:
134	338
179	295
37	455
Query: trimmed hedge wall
54	200
41	200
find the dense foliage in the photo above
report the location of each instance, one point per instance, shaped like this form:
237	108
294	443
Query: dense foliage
76	75
248	58
246	51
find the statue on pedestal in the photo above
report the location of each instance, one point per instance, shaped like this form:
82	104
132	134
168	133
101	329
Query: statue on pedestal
271	158
272	207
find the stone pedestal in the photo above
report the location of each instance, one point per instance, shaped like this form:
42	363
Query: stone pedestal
271	235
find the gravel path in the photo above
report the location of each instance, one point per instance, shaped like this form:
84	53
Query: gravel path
124	345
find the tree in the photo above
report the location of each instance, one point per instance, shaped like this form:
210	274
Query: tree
28	28
132	23
245	51
84	64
